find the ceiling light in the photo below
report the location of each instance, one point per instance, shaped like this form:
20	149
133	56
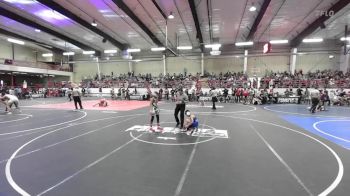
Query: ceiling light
133	50
94	23
279	42
314	40
68	53
252	8
110	51
213	46
50	15
215	52
244	43
171	16
107	58
343	39
21	1
15	41
331	56
88	52
137	60
37	30
47	55
184	47
158	49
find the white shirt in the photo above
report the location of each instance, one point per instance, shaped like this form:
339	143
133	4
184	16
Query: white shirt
11	97
214	93
314	93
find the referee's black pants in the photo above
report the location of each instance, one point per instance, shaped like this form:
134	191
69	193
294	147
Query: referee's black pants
77	100
314	102
180	108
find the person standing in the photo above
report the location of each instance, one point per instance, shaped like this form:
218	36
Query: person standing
100	91
299	94
214	97
83	91
225	94
315	95
112	93
77	98
181	100
69	92
160	94
307	96
166	93
154	111
172	95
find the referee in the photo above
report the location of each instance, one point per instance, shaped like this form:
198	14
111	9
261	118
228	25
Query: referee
181	100
76	97
315	99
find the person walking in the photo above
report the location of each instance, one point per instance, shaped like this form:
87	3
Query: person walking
77	98
181	100
69	92
315	99
214	97
299	94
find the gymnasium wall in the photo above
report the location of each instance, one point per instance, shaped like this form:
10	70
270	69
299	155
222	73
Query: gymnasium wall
154	67
181	64
5	50
89	69
313	62
257	65
21	52
217	65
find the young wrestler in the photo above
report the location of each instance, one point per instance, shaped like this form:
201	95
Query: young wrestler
102	103
9	100
154	111
191	122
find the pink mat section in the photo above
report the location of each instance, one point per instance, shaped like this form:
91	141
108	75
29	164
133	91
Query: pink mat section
88	105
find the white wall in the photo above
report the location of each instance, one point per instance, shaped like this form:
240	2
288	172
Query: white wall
86	69
180	64
23	53
218	65
5	50
154	67
313	62
260	64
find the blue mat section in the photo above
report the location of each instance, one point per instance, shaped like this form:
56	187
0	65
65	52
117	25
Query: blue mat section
339	128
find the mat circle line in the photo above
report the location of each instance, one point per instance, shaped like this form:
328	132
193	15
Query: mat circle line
340	174
330	135
316	115
26	117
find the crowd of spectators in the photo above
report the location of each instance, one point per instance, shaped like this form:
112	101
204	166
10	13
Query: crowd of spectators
317	79
227	79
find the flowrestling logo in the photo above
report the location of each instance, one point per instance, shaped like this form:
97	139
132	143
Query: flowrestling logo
328	13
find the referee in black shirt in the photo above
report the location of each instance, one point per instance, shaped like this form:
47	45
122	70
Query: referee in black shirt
181	100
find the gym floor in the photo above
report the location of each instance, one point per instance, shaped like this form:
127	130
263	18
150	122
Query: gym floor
49	149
